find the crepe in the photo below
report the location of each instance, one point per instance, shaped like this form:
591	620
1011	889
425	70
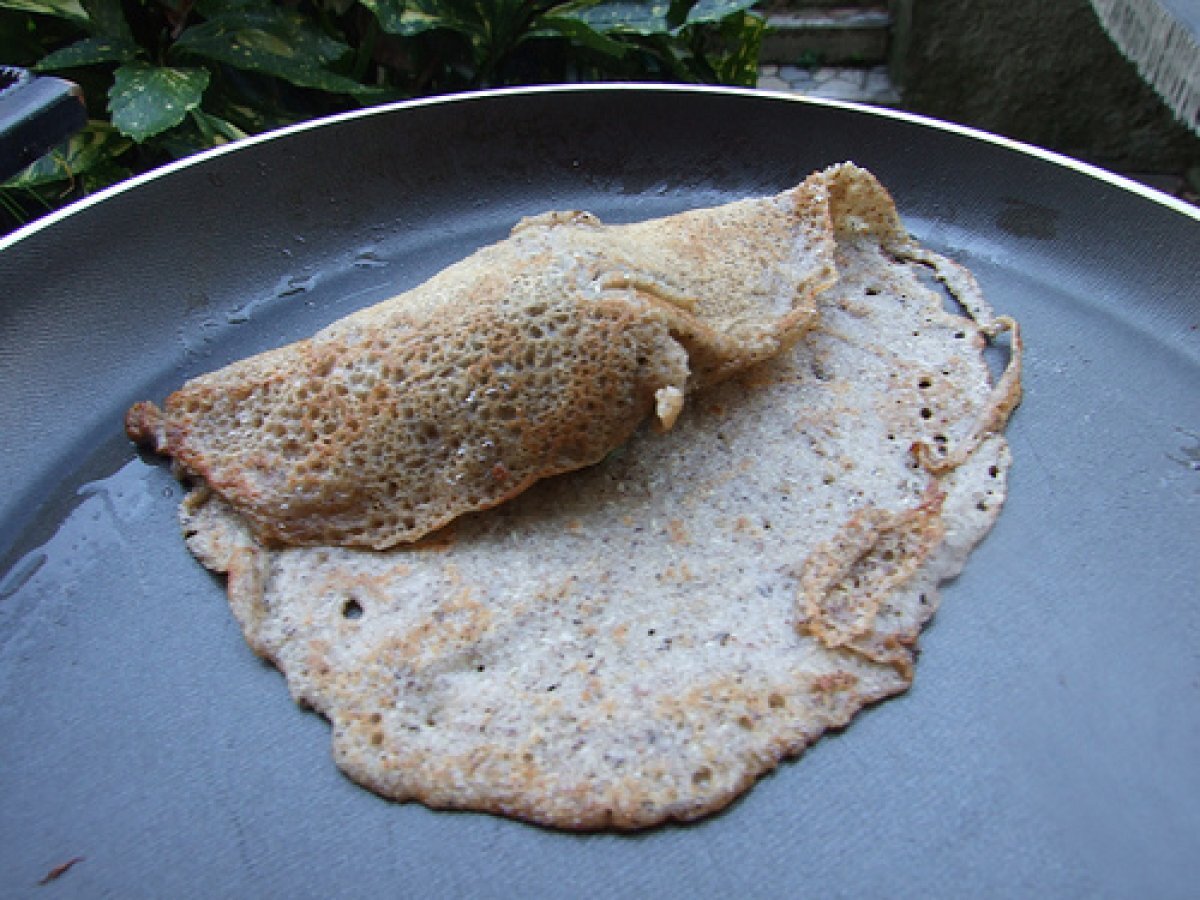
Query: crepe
532	357
640	640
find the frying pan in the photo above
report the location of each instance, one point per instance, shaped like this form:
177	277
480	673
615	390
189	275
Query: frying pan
36	113
1049	744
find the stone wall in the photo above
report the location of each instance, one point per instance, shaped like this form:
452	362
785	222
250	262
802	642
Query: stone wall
1042	71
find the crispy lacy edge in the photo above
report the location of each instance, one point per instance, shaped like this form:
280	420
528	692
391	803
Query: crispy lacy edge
220	540
844	583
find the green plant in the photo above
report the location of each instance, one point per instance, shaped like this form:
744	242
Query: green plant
167	78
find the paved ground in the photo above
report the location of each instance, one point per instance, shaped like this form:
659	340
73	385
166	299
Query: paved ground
872	85
865	85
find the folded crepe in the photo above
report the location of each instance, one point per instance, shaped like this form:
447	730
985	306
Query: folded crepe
640	640
535	356
637	641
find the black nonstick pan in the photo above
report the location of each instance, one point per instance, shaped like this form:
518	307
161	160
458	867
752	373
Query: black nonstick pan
1049	746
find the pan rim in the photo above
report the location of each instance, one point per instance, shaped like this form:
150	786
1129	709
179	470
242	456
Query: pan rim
1052	156
1027	753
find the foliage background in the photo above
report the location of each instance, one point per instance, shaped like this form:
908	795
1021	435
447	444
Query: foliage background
167	78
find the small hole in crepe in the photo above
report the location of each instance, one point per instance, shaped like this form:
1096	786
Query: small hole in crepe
352	609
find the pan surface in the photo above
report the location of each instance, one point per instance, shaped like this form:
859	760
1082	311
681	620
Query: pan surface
1049	745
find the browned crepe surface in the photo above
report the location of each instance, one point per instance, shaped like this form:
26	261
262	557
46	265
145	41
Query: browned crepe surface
640	640
534	356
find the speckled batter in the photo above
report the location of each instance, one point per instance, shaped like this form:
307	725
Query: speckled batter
640	640
533	356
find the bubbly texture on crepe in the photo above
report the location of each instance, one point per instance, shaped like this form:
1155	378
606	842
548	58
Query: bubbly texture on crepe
639	640
534	356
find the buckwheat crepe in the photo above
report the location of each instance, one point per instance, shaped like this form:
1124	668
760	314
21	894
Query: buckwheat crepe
534	356
639	640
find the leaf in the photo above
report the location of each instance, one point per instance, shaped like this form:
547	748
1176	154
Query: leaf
210	9
94	148
271	31
623	16
579	33
200	131
396	17
71	10
274	42
107	19
146	100
408	18
252	117
710	11
89	52
217	130
743	34
105	172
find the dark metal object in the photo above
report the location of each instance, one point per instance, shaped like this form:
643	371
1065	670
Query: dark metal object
36	113
1048	747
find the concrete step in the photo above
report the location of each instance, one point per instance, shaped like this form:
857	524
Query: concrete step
860	84
827	35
